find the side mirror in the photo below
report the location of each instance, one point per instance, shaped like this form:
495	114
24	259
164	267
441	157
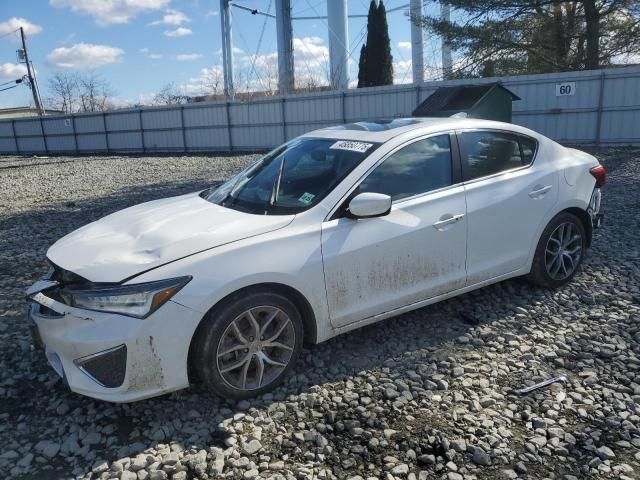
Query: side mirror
369	205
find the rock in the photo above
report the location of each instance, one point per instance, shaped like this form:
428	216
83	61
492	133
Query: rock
171	459
47	448
605	453
252	447
251	474
427	459
400	470
481	458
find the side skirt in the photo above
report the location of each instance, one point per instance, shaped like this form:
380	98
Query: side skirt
429	301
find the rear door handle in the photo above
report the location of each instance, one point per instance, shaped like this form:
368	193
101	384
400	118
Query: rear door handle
448	219
539	191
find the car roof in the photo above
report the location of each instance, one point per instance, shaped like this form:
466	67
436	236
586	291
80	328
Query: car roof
381	131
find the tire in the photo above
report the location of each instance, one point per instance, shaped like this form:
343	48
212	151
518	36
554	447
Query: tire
551	269
230	359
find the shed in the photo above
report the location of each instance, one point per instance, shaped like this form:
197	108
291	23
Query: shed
490	101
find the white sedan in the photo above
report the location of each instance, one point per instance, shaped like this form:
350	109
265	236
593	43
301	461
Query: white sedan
331	231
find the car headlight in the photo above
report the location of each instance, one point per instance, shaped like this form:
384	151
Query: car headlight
139	300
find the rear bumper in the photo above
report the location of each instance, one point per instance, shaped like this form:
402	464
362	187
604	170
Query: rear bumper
114	357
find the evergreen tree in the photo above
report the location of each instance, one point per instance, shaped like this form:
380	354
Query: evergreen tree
385	70
362	66
376	63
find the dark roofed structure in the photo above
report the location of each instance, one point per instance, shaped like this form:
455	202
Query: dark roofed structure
490	101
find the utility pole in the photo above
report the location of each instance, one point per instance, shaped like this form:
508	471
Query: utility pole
285	47
227	48
447	64
32	82
337	16
417	55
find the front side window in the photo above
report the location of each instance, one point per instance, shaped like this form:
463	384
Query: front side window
488	153
292	178
418	168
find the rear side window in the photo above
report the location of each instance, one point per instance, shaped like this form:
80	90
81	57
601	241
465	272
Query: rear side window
529	146
418	168
488	153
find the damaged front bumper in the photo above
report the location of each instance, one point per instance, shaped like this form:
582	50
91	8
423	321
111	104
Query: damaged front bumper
110	356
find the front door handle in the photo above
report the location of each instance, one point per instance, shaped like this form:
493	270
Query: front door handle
539	191
447	219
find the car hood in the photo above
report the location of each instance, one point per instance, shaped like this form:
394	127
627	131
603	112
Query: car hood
151	234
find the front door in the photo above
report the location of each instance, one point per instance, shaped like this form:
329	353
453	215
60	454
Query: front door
416	252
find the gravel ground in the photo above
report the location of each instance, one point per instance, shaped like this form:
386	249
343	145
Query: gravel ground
428	394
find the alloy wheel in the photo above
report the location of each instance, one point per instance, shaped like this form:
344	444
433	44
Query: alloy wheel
563	251
255	348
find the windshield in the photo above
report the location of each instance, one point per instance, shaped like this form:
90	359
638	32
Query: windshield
291	178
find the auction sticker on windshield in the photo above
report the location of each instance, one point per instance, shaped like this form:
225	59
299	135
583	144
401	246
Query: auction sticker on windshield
306	198
352	146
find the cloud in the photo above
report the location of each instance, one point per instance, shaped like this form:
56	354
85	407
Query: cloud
212	13
310	51
151	55
402	71
108	12
178	32
404	45
83	56
15	23
12	71
172	17
188	57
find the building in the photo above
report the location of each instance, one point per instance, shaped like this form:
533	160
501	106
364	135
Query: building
21	112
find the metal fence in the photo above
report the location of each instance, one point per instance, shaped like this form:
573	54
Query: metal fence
599	107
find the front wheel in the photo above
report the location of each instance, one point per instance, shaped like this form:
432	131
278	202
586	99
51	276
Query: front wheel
559	252
247	346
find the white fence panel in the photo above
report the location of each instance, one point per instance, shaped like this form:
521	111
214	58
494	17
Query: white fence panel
125	141
163	140
61	143
207	139
90	124
123	121
7	145
201	116
92	142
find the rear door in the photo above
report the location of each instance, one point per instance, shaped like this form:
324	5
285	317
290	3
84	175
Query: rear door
508	195
417	251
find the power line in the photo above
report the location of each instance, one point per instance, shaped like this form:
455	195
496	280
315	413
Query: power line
17	80
8	88
9	33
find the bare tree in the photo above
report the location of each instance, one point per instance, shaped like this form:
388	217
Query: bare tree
170	94
63	90
73	92
212	81
96	93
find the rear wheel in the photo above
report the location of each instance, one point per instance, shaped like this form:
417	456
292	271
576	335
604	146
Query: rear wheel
559	252
247	346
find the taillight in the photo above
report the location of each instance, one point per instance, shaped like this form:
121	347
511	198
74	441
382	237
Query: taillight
600	174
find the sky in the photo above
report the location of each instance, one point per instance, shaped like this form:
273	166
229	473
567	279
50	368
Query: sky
139	46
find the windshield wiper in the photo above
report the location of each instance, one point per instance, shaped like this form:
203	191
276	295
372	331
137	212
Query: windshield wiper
276	185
